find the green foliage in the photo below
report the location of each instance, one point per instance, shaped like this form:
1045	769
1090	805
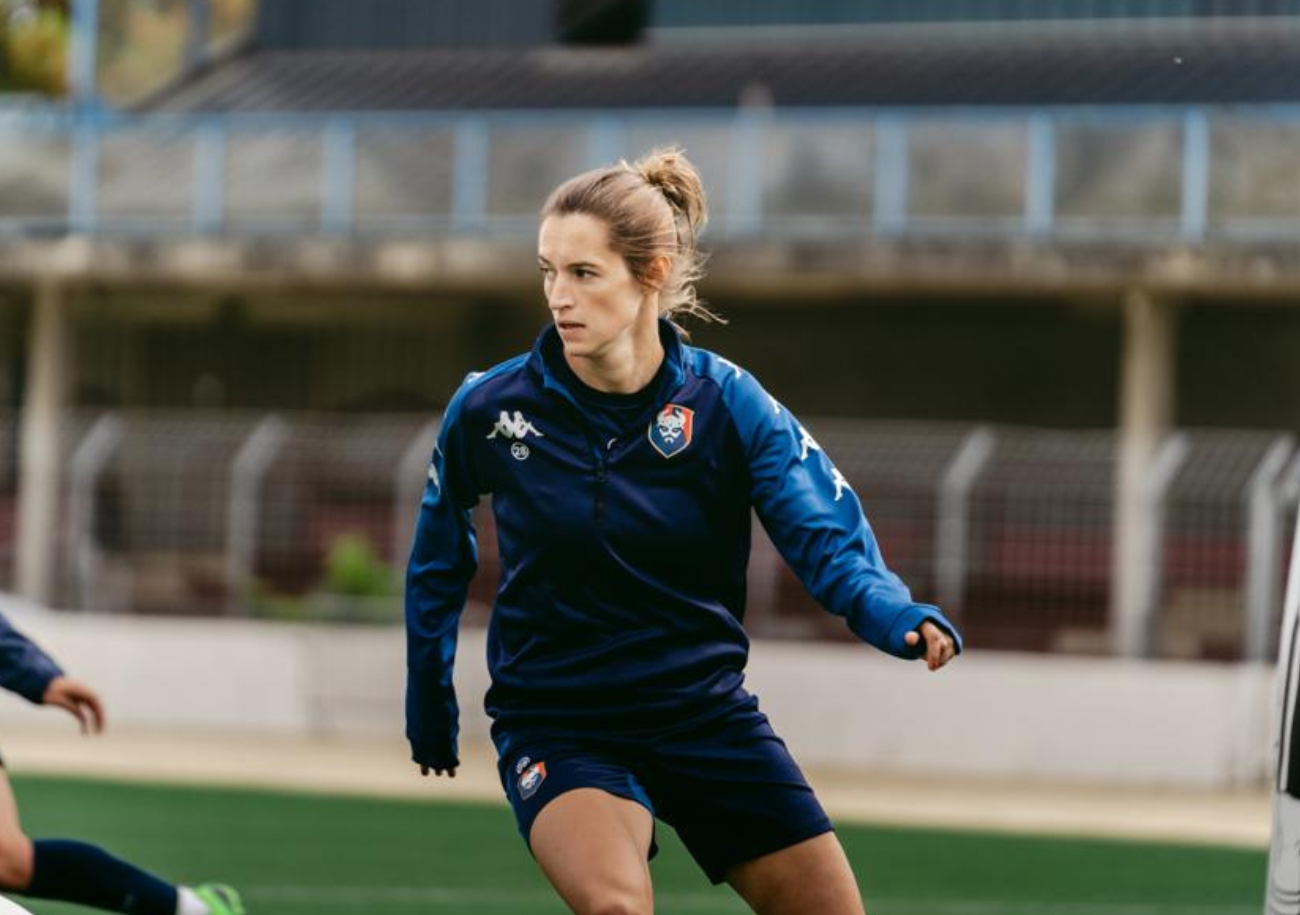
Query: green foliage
140	43
35	52
358	587
352	568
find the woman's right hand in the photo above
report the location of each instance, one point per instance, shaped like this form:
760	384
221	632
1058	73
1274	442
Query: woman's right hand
450	770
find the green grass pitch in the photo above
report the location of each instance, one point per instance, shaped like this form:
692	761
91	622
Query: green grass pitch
305	854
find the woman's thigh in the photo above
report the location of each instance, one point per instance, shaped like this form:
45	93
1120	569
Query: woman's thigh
811	878
594	849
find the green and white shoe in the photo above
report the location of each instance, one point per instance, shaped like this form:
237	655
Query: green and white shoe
220	899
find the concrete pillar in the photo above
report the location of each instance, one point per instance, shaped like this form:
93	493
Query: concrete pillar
1145	416
44	403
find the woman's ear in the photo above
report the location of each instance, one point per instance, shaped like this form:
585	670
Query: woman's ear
657	272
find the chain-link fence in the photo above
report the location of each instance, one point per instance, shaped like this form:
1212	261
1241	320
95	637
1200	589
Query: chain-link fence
1011	530
1040	542
1222	523
8	496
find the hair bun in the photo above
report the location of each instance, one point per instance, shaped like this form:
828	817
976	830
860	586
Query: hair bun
669	171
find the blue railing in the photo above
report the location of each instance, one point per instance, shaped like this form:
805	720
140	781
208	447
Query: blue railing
1188	174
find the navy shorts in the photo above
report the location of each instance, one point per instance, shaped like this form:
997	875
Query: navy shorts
729	788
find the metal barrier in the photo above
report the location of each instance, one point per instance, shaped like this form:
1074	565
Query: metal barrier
1009	529
1223	563
8	496
1161	173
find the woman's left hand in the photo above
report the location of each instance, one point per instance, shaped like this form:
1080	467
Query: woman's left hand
77	699
939	646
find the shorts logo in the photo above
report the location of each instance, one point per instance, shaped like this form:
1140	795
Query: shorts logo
522	764
672	429
531	780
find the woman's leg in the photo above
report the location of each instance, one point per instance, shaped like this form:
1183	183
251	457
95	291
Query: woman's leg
593	847
810	878
74	871
15	847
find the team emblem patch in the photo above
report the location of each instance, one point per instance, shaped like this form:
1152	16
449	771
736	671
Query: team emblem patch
531	780
671	431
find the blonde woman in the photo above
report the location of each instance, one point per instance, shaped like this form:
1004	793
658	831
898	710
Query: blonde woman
623	466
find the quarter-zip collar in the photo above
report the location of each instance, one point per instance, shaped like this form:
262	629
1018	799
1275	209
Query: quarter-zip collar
548	348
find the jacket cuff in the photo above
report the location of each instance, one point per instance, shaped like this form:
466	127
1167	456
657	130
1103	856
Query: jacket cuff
32	688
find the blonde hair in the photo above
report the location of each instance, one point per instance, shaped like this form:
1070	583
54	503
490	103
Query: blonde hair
651	208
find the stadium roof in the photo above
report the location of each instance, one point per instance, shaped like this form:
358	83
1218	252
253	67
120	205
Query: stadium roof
969	67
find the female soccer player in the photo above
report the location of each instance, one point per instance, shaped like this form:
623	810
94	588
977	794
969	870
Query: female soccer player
623	465
73	871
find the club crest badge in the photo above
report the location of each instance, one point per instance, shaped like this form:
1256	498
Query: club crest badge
671	431
531	780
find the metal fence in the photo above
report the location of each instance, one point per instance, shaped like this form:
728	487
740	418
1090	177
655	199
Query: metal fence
1159	172
1009	529
8	496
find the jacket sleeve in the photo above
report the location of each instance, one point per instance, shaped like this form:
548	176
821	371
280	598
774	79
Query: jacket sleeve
24	668
816	522
443	559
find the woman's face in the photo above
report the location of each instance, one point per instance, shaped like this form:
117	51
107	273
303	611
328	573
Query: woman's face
594	300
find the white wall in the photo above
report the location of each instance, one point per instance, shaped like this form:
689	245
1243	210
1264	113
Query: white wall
989	714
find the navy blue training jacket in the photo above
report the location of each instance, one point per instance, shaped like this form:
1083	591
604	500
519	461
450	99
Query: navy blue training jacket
623	561
24	668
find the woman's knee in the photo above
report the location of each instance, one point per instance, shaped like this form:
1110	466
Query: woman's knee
15	861
620	903
611	894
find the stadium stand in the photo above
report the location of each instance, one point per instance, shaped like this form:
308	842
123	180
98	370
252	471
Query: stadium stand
952	213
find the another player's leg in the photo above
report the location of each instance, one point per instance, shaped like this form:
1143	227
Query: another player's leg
594	848
81	873
810	878
15	847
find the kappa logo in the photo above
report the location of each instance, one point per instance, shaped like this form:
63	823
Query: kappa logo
432	472
515	427
841	484
806	443
672	430
531	780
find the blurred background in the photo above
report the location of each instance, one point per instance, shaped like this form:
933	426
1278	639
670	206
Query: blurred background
1027	269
